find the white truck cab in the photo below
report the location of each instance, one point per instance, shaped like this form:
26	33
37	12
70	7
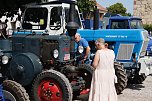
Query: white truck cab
49	18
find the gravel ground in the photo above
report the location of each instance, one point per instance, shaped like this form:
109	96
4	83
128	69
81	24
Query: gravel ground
138	92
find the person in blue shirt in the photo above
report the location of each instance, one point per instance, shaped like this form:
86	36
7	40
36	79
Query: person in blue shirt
82	42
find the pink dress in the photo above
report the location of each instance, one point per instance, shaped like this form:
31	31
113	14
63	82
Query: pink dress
102	85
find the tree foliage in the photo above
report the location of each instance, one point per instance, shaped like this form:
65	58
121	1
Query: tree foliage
148	27
118	8
86	6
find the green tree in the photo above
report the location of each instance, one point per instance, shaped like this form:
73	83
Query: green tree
148	27
86	6
118	8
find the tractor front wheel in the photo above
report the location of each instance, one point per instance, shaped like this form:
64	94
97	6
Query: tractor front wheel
138	79
121	77
13	91
51	85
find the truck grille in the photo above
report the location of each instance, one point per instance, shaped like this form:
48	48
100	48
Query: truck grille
125	51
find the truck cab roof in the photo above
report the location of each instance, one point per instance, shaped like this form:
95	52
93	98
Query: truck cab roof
57	2
124	18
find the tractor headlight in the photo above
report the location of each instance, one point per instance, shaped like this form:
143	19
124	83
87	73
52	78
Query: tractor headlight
55	53
5	59
80	49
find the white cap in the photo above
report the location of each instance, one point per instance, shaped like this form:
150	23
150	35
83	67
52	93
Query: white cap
77	34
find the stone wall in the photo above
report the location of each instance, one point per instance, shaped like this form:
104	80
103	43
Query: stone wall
143	9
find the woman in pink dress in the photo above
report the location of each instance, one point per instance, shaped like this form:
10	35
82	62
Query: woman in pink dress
102	85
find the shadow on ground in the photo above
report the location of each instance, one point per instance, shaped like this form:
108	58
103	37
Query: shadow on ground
84	97
135	86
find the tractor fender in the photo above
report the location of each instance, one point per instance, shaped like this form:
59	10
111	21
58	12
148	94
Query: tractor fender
24	67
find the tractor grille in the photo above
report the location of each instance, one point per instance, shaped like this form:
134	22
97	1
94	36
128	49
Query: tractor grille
47	49
125	51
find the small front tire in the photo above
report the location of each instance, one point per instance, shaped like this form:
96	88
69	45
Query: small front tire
121	77
51	85
13	91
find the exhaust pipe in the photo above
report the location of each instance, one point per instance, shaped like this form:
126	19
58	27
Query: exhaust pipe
96	19
72	27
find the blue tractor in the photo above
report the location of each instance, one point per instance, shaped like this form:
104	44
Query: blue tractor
126	36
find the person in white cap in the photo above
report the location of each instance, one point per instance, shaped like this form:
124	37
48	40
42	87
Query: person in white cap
82	42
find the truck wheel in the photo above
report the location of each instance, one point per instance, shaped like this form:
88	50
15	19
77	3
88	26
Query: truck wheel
85	71
138	79
51	85
121	77
13	91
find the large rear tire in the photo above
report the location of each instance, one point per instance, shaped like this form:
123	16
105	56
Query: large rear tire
51	85
13	91
121	77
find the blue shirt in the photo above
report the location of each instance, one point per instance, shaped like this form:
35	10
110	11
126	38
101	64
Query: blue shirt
84	44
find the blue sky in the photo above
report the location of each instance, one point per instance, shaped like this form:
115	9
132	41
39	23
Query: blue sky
128	4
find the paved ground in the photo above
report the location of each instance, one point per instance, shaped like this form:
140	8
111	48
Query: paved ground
138	92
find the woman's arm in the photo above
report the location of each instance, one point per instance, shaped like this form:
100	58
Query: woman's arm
96	60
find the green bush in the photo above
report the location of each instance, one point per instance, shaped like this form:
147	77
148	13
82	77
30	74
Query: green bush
148	27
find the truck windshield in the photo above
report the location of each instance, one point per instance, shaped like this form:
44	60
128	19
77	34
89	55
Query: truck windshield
35	18
136	24
55	18
76	17
119	24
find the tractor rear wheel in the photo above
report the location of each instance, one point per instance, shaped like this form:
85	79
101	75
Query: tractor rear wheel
85	71
121	77
51	85
13	91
